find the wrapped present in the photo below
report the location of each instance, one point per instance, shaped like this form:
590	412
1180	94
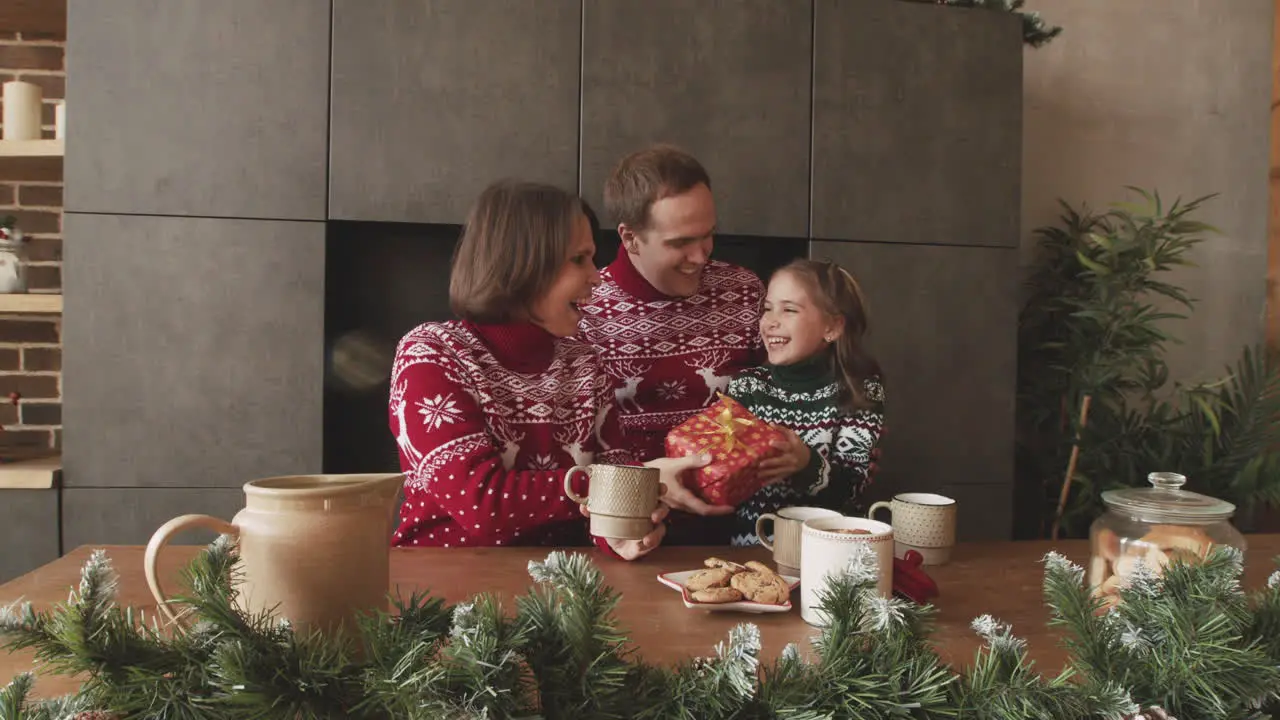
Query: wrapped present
736	440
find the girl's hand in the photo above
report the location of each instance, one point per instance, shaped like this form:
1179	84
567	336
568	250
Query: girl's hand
677	495
635	549
795	456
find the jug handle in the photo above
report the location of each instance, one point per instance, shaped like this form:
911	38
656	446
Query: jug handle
162	537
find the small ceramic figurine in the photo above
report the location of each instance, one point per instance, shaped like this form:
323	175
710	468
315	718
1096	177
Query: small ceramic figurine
13	276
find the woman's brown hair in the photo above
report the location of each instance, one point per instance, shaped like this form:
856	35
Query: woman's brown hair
516	238
836	293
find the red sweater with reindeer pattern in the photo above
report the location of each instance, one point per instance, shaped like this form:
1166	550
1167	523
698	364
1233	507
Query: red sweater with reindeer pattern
489	418
669	355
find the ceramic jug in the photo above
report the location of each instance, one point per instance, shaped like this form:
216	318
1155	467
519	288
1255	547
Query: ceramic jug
313	548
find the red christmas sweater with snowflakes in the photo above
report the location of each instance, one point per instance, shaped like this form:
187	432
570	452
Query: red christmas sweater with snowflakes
488	419
668	356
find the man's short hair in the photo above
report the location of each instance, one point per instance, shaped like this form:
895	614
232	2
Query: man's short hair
647	176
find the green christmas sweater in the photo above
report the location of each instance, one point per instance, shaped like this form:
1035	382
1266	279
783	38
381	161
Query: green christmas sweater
803	397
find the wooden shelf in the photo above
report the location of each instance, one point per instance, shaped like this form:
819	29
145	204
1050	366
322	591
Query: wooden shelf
32	148
33	474
30	303
35	16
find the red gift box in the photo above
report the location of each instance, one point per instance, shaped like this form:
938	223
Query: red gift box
736	440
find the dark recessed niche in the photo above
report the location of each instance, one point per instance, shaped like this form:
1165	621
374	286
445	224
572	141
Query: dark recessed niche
382	280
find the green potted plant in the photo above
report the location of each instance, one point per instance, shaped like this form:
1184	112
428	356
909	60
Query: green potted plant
1096	409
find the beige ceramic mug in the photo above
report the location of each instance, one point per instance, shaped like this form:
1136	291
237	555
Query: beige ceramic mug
826	546
923	522
313	548
621	498
786	535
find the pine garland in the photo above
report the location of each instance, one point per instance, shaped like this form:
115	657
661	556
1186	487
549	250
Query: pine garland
1035	31
1189	645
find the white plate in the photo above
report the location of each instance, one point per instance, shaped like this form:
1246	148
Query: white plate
677	580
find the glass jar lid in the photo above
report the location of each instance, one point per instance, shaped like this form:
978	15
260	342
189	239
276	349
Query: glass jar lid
1167	501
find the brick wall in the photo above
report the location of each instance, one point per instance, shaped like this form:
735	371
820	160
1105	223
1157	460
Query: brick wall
31	190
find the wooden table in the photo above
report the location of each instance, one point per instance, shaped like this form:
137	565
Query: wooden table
1002	579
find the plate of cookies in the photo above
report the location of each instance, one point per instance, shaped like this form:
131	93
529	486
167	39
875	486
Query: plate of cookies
724	586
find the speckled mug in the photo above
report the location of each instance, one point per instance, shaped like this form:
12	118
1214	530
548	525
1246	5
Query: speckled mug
923	522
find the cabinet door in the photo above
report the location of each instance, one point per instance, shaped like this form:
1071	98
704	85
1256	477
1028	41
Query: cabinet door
198	108
944	328
28	531
193	350
917	123
727	80
129	516
435	99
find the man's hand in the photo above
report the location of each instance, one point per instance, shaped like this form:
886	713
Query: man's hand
677	495
795	456
635	549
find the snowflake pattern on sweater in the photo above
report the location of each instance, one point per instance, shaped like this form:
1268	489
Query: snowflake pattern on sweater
485	448
669	356
840	445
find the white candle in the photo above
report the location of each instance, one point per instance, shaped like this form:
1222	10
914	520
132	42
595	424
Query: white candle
21	110
60	120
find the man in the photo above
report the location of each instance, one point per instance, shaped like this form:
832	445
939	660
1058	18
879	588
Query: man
672	325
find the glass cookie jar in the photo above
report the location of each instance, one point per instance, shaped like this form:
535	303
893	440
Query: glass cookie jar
1155	526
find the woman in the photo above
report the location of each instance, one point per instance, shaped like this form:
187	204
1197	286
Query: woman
492	409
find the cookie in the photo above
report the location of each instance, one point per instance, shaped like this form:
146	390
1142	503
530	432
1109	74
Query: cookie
717	595
1108	544
761	587
775	593
760	568
709	578
1168	537
715	562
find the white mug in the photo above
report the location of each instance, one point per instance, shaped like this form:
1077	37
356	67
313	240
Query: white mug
826	545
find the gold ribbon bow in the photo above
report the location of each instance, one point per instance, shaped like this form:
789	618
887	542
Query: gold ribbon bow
727	426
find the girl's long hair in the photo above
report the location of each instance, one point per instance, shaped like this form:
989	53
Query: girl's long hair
835	292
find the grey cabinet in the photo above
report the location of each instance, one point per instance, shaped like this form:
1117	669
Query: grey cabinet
193	350
917	123
28	531
728	80
198	108
129	516
944	328
435	99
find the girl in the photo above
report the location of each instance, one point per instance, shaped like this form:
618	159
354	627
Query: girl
820	387
491	410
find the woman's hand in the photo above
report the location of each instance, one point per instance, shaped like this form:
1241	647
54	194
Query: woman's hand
677	495
635	549
795	456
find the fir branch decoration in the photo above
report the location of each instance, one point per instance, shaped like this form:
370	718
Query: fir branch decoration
574	646
1035	31
1189	641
